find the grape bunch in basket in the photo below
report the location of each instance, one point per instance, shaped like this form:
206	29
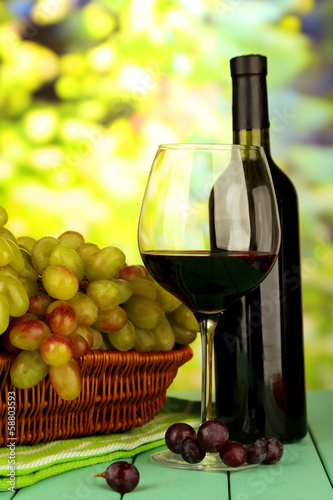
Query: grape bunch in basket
62	297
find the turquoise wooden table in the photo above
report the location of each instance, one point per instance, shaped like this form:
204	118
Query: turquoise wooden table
304	473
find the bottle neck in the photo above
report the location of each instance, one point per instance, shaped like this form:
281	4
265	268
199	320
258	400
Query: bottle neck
250	110
253	137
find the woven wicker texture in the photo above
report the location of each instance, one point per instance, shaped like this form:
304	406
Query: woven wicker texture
120	391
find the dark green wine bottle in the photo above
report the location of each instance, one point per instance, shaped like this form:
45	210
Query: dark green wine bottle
259	359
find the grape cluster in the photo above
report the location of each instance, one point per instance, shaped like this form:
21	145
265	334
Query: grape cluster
213	437
61	297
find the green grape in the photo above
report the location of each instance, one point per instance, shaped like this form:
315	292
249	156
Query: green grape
104	264
29	334
4	313
16	295
61	317
8	235
86	250
13	322
5	252
98	339
3	216
60	282
17	261
125	289
168	301
144	312
85	308
29	272
30	286
123	339
72	239
28	369
56	349
66	380
185	318
104	293
164	337
142	286
86	333
26	242
39	303
145	340
26	255
8	271
64	256
111	320
41	251
182	335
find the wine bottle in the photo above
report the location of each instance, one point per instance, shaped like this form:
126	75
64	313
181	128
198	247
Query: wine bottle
259	358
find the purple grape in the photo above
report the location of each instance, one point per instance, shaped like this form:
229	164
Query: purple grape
176	434
191	451
121	476
212	435
256	453
274	449
233	454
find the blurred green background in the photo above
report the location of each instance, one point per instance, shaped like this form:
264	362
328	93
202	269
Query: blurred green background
90	88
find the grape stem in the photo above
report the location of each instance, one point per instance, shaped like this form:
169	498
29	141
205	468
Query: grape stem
100	474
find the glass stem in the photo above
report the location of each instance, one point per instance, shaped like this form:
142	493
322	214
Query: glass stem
207	330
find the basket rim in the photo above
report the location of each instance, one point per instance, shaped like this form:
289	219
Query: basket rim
183	351
120	391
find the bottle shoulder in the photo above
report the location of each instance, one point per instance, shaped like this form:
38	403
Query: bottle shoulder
283	185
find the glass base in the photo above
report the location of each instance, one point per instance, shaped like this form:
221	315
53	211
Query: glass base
211	462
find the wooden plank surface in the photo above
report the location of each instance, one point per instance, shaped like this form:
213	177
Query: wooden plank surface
320	419
164	483
78	484
7	495
300	475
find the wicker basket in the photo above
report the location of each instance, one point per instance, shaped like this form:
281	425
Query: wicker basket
120	391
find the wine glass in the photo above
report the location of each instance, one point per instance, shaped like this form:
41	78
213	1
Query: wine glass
208	233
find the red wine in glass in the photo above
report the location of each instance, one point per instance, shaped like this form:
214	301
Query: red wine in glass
207	282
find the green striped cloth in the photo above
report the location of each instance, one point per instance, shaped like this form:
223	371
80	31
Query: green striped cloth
39	461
